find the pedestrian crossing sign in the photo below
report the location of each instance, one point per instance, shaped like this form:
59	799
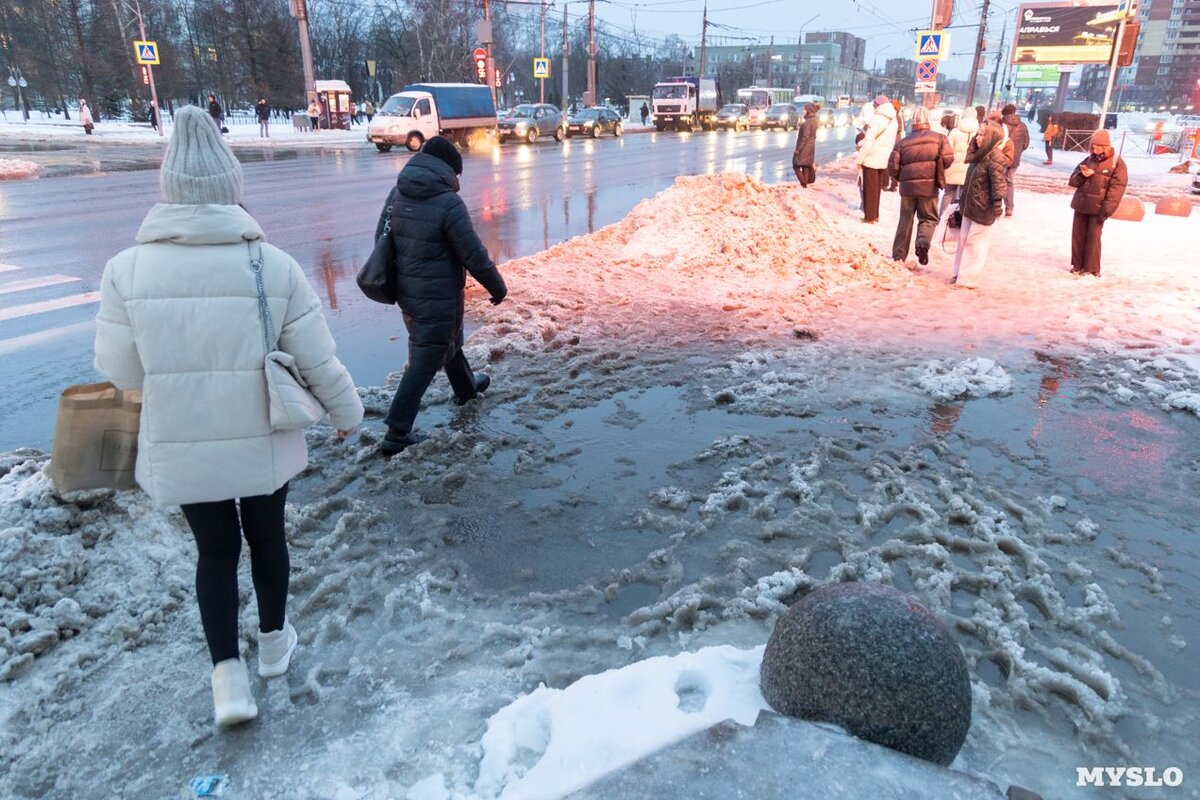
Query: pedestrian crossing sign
146	52
541	68
932	44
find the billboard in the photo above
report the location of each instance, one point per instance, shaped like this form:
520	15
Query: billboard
1066	33
1036	75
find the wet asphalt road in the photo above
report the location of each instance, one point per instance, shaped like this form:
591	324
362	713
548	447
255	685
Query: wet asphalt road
321	206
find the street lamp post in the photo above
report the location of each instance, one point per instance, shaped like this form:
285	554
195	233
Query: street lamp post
16	79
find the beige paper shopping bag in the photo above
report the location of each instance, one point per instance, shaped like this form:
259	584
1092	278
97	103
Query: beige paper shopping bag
95	438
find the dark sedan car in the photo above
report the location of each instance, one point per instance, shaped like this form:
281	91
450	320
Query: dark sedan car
781	115
733	115
593	122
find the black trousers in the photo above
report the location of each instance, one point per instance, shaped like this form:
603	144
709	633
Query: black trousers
926	211
1049	151
873	180
425	357
1085	242
806	174
219	531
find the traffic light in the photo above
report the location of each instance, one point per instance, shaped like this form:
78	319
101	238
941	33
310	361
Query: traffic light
1128	43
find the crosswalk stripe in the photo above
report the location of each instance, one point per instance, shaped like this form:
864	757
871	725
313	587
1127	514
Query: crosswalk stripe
29	309
18	343
35	283
8	268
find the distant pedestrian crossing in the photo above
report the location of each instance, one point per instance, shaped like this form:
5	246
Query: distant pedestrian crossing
40	309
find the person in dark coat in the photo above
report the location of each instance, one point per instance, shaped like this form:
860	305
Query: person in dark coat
919	164
982	201
1018	134
214	110
645	113
1099	182
436	246
805	155
263	112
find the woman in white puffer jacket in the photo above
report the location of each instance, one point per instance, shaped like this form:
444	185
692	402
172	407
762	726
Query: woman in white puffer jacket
873	153
960	140
179	320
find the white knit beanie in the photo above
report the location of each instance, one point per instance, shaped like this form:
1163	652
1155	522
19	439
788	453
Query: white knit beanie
199	167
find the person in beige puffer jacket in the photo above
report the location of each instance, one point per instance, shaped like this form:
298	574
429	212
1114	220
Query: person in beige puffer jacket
960	141
179	319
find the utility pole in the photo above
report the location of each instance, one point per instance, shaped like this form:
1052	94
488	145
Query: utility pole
704	40
566	64
491	62
770	63
542	53
299	9
1112	65
137	10
999	58
591	76
978	51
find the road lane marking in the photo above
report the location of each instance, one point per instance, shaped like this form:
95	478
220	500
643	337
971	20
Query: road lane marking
8	268
28	310
18	343
35	283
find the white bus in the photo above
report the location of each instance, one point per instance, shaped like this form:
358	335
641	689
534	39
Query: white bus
758	99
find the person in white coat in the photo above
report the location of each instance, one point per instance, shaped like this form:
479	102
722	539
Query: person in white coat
960	142
85	117
179	319
873	153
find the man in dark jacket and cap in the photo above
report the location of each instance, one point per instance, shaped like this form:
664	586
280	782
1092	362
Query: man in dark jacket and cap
805	155
436	246
1099	182
1018	134
919	163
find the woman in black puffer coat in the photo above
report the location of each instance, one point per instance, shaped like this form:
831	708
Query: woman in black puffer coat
436	246
982	200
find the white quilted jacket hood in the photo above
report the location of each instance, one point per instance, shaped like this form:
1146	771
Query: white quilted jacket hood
877	145
179	320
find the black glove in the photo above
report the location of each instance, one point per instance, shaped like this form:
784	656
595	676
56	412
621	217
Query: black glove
497	299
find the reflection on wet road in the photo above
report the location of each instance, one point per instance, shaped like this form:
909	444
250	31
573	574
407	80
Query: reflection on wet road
322	208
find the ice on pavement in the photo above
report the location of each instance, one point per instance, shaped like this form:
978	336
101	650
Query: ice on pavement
663	465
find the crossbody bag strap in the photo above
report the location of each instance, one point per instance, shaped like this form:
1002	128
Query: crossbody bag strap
264	309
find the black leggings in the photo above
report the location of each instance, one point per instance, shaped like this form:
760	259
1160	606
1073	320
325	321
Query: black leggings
218	533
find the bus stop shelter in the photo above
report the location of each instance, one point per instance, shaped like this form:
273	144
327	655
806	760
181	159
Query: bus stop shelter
334	97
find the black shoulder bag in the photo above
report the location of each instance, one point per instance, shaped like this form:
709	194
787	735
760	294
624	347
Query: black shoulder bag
377	278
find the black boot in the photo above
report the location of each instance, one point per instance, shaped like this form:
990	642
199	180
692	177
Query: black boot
482	382
922	253
394	441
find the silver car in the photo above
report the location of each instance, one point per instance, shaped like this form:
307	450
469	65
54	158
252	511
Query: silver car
530	121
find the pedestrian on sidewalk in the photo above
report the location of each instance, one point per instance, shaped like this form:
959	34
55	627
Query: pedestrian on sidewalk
353	117
1018	133
178	320
892	184
805	154
152	113
214	111
981	203
645	113
369	110
1053	131
85	117
435	246
314	114
263	112
873	153
918	165
1100	181
960	140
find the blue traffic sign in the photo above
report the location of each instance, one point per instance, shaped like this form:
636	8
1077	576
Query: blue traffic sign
930	44
927	70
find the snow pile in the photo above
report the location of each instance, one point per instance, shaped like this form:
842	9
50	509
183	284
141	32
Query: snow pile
12	169
974	377
552	742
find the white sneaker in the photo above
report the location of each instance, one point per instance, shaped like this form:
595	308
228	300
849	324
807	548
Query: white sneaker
275	650
232	701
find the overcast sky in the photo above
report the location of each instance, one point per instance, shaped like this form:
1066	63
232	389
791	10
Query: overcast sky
885	24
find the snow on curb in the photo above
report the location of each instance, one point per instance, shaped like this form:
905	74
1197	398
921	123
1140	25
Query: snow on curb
12	169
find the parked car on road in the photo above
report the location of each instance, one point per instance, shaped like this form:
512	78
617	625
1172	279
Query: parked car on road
733	115
781	115
529	121
595	121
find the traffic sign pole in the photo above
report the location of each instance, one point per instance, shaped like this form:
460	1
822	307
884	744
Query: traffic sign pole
149	68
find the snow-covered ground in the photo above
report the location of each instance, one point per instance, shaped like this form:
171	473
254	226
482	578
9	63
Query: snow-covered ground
12	169
119	132
697	415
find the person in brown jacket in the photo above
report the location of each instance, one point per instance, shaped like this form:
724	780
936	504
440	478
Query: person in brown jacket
919	163
1053	131
1099	181
981	203
805	154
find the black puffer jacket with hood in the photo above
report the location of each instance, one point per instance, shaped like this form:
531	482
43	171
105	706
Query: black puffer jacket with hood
436	245
985	184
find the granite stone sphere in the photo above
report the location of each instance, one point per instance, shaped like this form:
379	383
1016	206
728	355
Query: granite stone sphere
874	661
